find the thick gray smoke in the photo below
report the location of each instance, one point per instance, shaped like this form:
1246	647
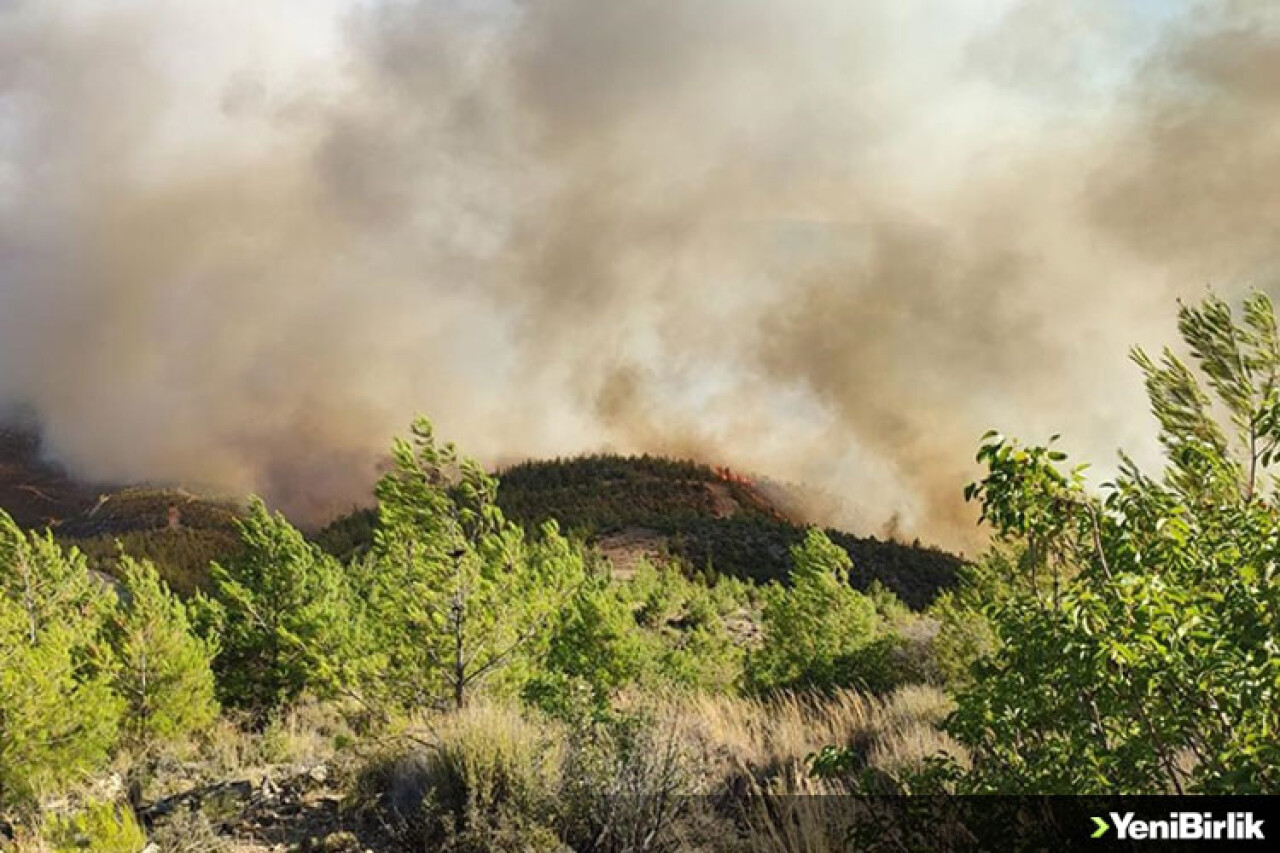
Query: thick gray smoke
832	242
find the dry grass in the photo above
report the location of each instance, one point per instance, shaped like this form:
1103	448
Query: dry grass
772	739
700	772
722	737
465	780
494	777
759	750
308	734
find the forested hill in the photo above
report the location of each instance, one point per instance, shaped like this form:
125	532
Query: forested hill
708	517
711	520
602	492
36	493
182	532
714	521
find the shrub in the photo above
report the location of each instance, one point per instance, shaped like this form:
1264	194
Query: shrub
480	778
658	631
965	635
627	782
98	828
188	831
816	630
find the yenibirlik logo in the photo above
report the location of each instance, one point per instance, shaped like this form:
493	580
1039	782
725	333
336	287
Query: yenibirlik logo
1182	826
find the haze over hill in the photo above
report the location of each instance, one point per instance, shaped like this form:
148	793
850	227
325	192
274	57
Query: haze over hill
832	242
181	530
35	491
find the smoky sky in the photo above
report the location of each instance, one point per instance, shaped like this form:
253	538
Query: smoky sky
825	241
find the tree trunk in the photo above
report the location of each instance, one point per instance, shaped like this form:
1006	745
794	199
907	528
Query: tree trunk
459	660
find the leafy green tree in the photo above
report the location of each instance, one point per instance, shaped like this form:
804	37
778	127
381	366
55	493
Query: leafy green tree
595	647
161	669
693	647
814	630
1138	647
461	595
58	714
964	634
285	617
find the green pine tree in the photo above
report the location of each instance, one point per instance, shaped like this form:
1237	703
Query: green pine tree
815	629
284	615
460	594
58	714
161	669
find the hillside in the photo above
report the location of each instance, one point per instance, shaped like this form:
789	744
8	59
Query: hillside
631	507
181	532
714	521
705	517
34	491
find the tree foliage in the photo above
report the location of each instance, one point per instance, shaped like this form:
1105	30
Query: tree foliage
1138	645
58	714
816	629
161	669
284	615
461	594
595	648
658	631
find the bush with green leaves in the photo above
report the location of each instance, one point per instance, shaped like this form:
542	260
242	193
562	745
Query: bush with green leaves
964	634
595	648
696	649
161	669
658	631
58	713
819	632
98	828
1138	647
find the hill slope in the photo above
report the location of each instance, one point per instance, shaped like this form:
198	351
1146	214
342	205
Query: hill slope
37	493
179	531
631	507
705	517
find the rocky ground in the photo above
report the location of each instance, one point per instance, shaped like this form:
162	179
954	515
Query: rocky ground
277	809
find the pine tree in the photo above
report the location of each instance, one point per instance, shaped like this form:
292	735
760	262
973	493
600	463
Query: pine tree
161	669
814	630
284	615
58	714
460	593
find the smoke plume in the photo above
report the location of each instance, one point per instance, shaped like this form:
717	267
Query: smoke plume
832	242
